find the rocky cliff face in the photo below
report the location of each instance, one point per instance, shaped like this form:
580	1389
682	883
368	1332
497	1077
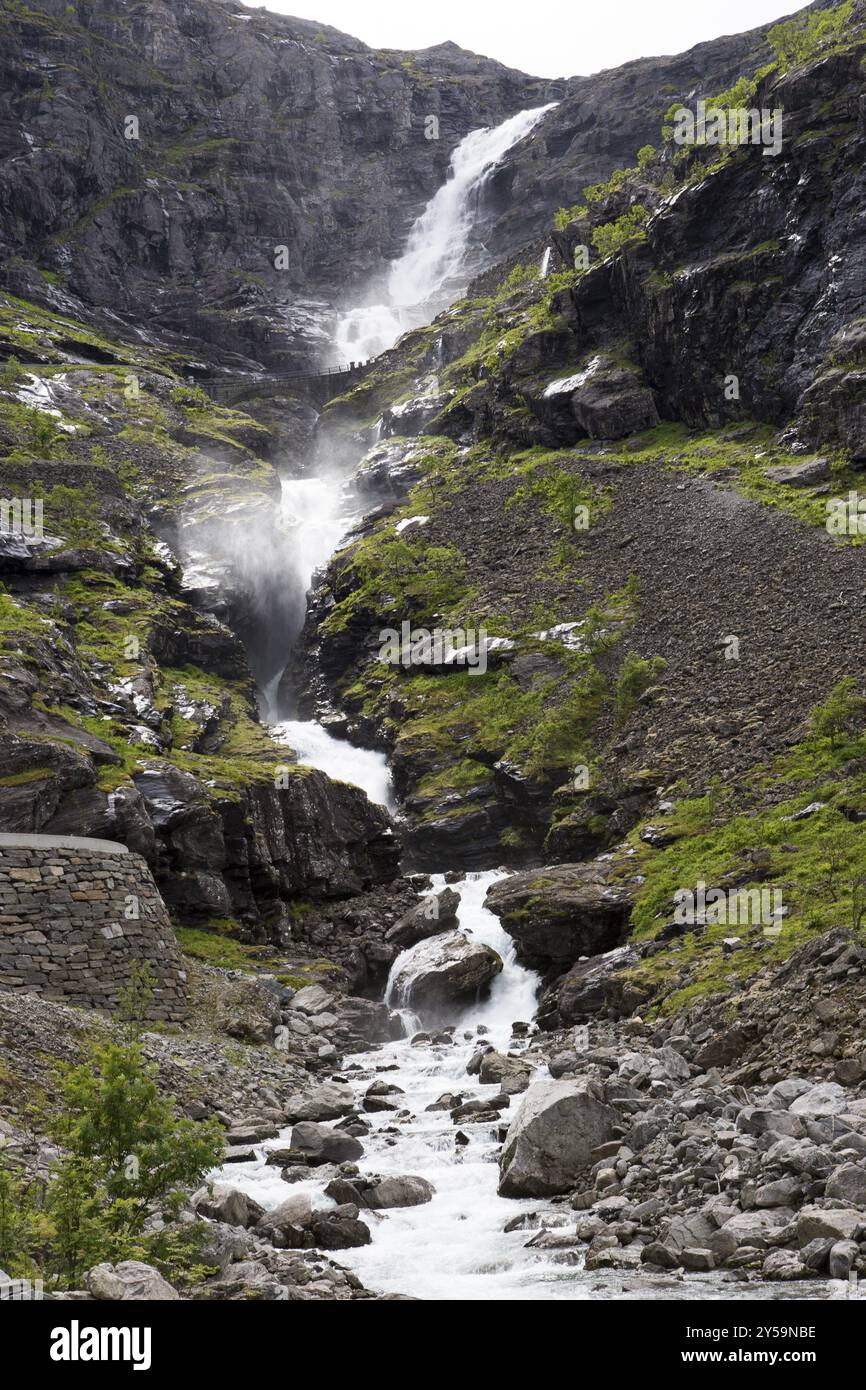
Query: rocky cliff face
157	155
606	455
127	706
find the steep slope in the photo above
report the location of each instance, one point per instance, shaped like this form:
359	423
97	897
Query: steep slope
587	459
126	705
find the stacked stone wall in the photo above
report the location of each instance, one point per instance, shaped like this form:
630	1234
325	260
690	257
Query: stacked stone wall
74	916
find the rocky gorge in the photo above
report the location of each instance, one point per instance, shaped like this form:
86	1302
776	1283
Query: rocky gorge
443	991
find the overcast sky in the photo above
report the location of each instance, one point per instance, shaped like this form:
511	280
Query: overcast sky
548	38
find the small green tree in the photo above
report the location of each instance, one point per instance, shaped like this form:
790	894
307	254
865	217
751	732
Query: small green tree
635	676
841	712
127	1155
12	372
41	432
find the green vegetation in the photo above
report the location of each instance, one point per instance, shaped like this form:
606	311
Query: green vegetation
841	713
741	453
611	237
804	37
635	676
125	1155
810	845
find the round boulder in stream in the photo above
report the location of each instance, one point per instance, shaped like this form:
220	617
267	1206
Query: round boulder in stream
444	970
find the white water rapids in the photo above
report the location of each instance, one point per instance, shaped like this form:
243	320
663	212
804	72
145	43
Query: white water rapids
455	1247
437	263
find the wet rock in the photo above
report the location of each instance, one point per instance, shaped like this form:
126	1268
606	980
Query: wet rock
317	1144
444	971
510	1073
382	1194
381	1095
551	1138
435	914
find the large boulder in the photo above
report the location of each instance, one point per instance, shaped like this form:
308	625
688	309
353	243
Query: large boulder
587	988
551	1138
603	400
381	1194
437	913
510	1074
443	971
229	1205
318	1144
330	1101
560	913
127	1282
848	1184
297	1225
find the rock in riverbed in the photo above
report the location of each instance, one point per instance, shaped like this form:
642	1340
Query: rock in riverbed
381	1194
552	1136
442	971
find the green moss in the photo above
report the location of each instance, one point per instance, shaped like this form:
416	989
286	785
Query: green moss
21	779
746	450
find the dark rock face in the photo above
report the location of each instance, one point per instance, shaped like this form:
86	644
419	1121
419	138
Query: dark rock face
252	130
588	989
578	145
559	913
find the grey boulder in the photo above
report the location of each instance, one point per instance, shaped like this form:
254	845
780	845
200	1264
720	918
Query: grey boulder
318	1144
442	971
131	1281
551	1138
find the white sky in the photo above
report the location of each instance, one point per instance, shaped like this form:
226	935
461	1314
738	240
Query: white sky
547	38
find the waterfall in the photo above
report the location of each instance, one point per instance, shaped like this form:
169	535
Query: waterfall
437	262
545	263
512	993
315	747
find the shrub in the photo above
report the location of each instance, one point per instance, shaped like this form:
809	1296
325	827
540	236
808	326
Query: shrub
612	236
799	39
840	713
635	676
127	1155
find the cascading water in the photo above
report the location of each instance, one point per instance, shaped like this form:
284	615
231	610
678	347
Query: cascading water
315	516
437	263
317	748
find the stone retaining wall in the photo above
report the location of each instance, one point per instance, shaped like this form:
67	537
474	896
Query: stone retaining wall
75	914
